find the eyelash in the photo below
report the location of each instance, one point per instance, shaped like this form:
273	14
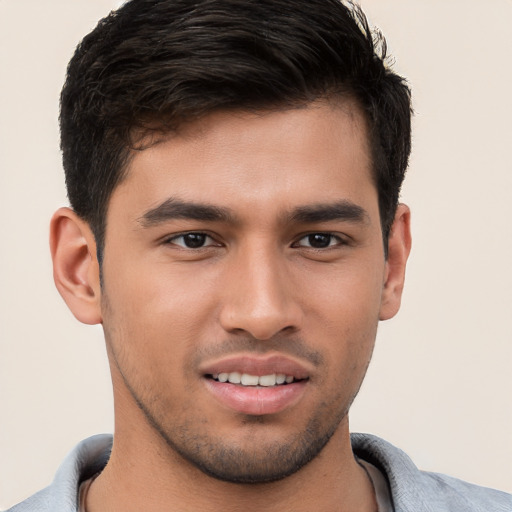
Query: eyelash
205	236
174	238
332	237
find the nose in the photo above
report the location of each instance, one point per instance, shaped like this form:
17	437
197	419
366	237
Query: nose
260	298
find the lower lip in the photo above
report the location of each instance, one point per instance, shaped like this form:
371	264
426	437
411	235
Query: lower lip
256	400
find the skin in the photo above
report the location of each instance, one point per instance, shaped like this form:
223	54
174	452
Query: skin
255	288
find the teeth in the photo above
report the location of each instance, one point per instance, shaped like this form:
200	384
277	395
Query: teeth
281	378
235	378
249	380
268	380
245	379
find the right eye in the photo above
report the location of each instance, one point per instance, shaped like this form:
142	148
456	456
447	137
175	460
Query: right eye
192	240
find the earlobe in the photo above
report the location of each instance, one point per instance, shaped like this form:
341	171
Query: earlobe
75	265
399	247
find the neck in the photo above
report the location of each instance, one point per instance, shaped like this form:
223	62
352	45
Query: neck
152	477
145	473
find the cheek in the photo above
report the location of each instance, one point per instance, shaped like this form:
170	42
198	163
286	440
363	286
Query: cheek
350	344
150	293
346	299
151	341
155	324
346	313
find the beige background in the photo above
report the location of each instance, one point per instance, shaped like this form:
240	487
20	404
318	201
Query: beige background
440	384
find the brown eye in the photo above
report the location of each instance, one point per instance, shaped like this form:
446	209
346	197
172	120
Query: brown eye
192	240
319	241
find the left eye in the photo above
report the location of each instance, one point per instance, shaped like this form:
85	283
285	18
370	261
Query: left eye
192	240
319	240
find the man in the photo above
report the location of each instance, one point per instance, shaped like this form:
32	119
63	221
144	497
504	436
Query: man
234	170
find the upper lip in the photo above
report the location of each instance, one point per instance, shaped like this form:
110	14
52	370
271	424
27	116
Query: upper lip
257	365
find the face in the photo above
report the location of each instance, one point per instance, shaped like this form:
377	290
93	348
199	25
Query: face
243	281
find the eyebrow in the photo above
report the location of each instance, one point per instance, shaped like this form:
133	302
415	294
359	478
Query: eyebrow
341	210
173	208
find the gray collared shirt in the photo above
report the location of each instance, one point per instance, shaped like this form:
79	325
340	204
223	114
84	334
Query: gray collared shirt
412	490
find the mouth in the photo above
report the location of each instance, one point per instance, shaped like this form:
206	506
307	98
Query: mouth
246	379
257	385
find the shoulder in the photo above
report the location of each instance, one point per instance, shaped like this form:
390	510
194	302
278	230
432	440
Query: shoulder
86	459
451	491
38	502
420	491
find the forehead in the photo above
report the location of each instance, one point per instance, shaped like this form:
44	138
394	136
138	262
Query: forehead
315	153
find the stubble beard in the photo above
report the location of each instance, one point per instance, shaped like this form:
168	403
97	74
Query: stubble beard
254	465
252	462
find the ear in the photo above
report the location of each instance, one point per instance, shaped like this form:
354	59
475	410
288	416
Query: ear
75	265
399	247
